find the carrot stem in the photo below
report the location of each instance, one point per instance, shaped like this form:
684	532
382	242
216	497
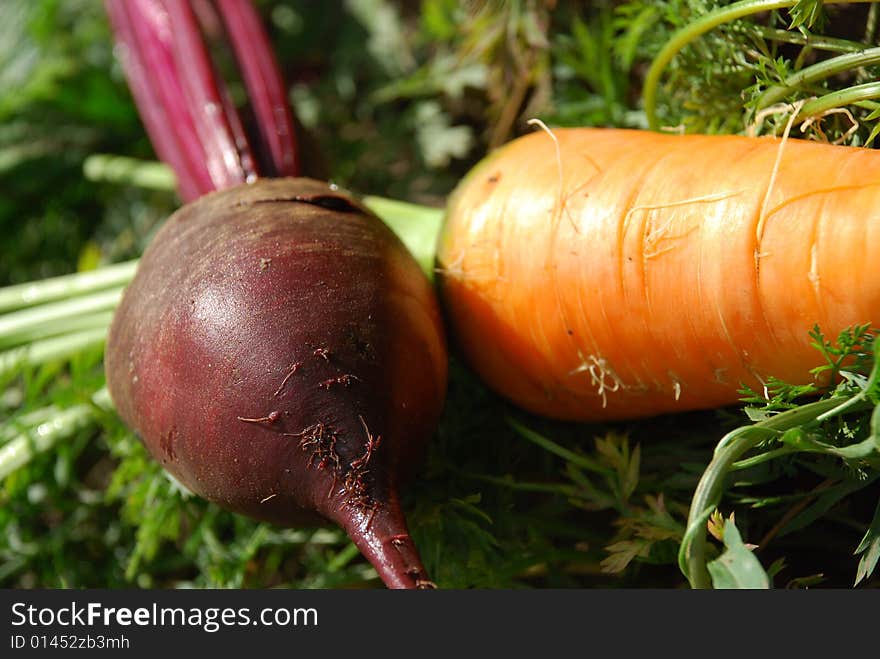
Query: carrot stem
417	226
840	98
811	41
696	29
819	71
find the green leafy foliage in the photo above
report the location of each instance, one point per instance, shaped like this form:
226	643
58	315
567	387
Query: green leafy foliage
869	547
741	71
833	439
809	14
737	566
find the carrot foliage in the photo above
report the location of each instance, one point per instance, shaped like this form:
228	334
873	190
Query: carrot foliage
774	54
836	437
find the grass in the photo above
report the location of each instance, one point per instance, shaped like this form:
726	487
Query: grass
504	499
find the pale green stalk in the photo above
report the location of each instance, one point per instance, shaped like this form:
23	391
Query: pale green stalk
416	226
62	424
19	325
69	325
65	287
840	98
130	171
813	41
47	350
11	429
819	71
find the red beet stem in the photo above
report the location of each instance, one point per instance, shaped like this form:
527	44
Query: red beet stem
262	76
212	28
185	106
382	537
203	97
242	144
154	84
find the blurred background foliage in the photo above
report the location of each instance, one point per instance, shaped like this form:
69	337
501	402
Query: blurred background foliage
398	99
394	98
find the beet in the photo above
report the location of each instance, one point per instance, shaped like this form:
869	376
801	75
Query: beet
281	353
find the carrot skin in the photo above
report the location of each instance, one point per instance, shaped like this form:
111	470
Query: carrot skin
661	272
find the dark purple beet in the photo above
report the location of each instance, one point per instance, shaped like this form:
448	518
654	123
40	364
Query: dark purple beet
280	352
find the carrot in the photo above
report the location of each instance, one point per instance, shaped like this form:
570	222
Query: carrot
595	274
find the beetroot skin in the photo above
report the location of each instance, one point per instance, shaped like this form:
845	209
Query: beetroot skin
280	352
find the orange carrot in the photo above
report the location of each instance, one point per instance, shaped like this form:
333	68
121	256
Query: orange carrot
597	274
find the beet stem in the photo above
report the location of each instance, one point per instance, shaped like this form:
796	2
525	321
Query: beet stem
212	28
262	76
201	90
154	84
186	106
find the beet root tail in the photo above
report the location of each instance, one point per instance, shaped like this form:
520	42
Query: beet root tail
382	537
